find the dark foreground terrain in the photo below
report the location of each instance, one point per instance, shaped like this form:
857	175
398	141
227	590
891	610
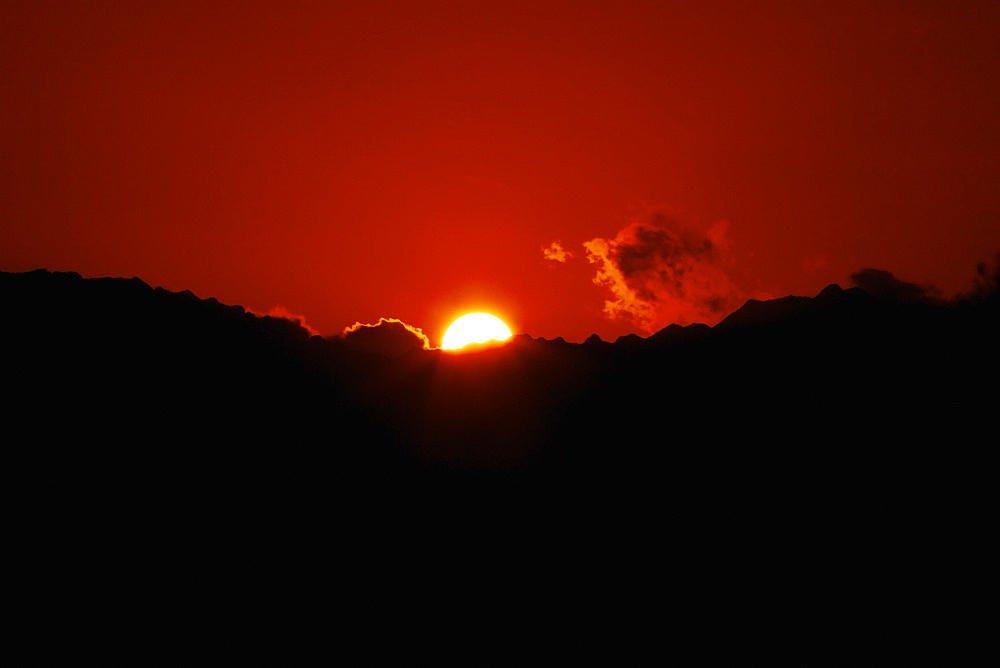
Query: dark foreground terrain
813	479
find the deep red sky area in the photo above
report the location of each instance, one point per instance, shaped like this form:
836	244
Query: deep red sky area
353	160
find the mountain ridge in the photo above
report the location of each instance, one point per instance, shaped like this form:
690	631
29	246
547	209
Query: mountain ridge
253	473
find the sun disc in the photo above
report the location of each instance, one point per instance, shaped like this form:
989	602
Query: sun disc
475	328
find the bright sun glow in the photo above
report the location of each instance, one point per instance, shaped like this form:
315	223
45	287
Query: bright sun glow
475	328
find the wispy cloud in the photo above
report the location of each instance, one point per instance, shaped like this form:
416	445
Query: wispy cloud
556	252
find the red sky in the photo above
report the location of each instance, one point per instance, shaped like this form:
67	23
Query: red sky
355	160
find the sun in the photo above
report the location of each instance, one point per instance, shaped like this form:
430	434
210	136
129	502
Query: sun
475	328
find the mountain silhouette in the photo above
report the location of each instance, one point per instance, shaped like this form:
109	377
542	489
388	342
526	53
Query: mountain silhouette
183	473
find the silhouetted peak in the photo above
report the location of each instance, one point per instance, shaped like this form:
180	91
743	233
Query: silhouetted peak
66	275
670	329
675	333
525	340
629	340
183	295
593	340
832	291
756	312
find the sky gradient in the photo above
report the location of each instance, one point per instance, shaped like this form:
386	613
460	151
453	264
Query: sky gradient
419	160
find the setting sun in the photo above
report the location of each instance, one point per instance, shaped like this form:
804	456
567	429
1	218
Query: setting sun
475	328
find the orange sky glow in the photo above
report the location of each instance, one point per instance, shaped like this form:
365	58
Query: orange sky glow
574	168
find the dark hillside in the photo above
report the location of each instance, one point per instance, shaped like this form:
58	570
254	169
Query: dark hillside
181	472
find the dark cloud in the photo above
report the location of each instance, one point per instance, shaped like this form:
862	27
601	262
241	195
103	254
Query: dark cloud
660	273
389	336
884	285
987	281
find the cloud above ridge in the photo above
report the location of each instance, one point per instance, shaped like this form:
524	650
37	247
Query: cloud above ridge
389	336
282	312
660	273
885	285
